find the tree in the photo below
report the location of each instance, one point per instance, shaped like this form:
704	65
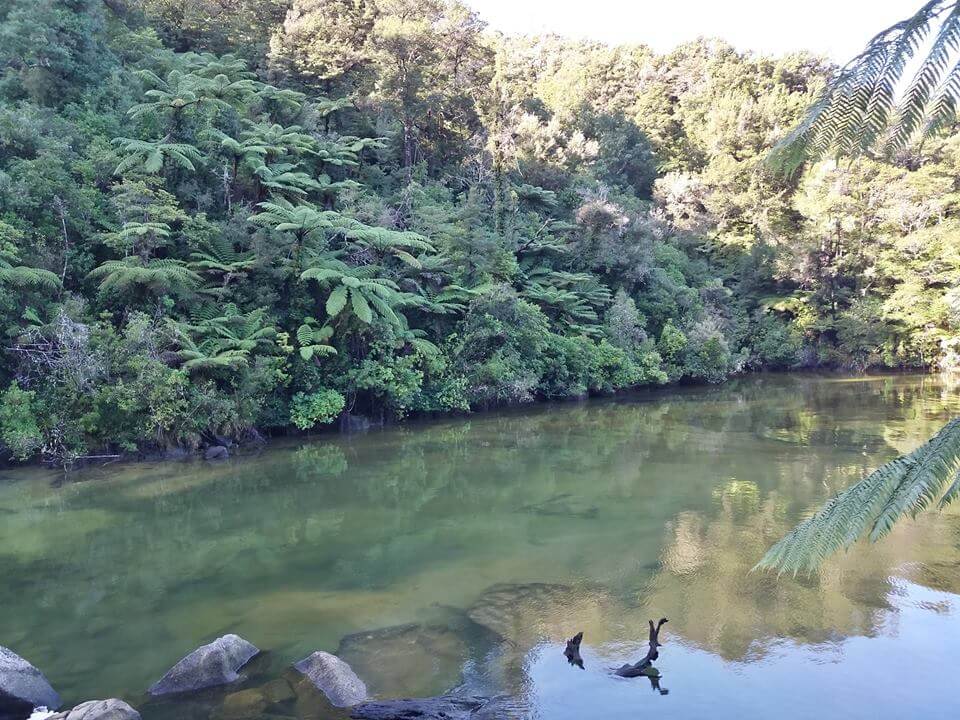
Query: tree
137	276
50	50
325	42
215	25
355	292
150	156
21	276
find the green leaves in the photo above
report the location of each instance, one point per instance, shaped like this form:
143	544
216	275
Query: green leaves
361	308
150	156
21	276
904	486
312	339
368	297
337	300
158	277
221	342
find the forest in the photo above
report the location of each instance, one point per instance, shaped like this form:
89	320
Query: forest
234	218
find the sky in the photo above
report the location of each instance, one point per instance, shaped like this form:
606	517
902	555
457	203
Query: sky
836	28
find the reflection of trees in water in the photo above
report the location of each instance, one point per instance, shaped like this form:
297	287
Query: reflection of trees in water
346	528
721	606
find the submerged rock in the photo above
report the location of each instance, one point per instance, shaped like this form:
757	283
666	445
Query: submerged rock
526	613
112	709
22	687
350	423
255	702
409	659
277	691
216	663
519	611
563	505
244	704
445	707
334	678
176	453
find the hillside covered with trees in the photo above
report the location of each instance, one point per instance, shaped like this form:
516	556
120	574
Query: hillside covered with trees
219	217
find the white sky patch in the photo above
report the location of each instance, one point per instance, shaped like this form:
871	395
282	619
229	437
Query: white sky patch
836	28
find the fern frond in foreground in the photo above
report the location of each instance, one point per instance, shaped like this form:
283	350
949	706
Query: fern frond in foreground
860	104
906	485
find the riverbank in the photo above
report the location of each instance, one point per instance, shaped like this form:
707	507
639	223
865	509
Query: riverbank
252	441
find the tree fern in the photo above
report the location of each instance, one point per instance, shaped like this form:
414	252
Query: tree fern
149	156
859	104
852	112
217	256
160	277
21	276
356	292
904	486
313	340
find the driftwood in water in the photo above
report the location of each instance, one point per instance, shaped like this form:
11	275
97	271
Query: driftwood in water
638	669
572	652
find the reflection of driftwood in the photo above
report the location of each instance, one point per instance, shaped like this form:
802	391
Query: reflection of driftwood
655	685
639	668
572	651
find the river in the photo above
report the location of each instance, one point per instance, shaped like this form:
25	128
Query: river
463	552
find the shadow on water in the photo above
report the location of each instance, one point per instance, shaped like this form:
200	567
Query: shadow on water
464	553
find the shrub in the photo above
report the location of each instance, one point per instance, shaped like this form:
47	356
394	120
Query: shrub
19	428
322	407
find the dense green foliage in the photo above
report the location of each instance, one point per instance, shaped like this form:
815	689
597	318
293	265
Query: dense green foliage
213	222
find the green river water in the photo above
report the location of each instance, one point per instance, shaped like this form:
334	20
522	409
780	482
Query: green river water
462	552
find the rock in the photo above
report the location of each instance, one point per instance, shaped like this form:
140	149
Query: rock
216	663
244	704
22	687
334	678
414	659
524	612
277	691
445	707
112	709
216	452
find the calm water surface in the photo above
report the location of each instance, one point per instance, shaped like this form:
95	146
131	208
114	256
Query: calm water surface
463	552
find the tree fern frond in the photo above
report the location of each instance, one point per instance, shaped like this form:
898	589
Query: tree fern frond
925	81
859	104
905	485
337	300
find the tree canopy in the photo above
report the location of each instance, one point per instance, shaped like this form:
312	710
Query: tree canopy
220	222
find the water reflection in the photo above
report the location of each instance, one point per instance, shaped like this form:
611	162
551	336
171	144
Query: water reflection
468	551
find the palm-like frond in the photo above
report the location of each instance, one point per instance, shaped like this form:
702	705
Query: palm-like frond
218	256
149	156
280	140
906	485
859	104
571	300
356	291
160	277
313	340
21	276
282	98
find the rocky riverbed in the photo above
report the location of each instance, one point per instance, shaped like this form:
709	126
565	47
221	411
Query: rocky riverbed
473	653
